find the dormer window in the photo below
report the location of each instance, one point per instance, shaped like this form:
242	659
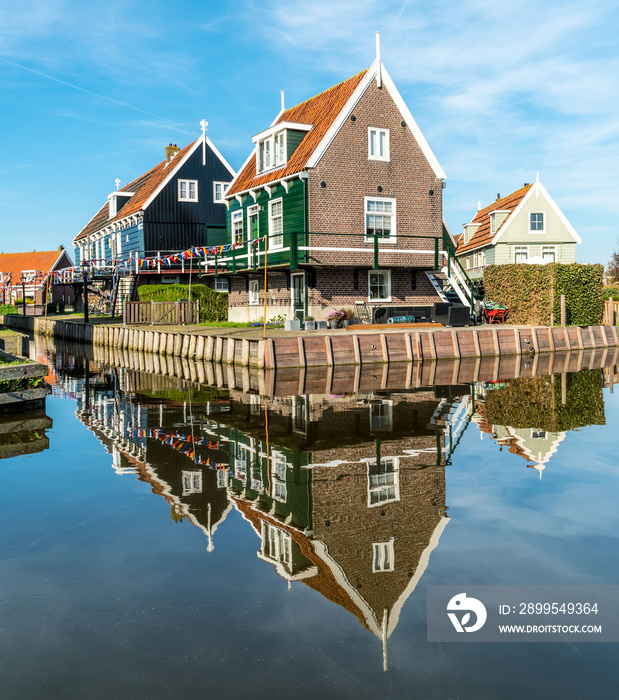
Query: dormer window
113	203
275	145
272	152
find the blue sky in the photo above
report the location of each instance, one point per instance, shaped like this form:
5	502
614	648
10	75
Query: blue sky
94	91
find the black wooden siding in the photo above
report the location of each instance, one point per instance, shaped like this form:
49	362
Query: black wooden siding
170	225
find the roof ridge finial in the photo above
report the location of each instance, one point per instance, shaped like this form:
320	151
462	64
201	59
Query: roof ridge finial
379	77
537	176
117	181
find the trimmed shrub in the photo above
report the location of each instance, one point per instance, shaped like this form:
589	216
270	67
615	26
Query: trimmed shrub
213	305
535	402
6	310
533	292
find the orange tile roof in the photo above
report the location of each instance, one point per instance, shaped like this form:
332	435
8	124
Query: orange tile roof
43	261
483	236
142	187
320	111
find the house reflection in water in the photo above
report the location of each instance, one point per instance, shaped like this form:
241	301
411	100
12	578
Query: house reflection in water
532	416
346	493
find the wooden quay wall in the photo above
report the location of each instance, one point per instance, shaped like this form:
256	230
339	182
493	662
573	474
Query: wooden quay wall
149	372
331	349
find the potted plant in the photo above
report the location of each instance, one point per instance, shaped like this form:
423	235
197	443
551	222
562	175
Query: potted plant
334	317
349	314
309	323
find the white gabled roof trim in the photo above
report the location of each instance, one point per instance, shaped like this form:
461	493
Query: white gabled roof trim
538	188
177	166
215	150
401	105
180	163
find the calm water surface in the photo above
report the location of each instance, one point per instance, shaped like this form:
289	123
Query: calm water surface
165	540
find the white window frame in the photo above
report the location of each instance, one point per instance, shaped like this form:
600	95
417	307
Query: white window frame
254	292
386	299
188	184
392	237
276	544
192	482
222	284
381	483
278	242
384	156
381	416
237	225
537	230
383	557
520	248
223	186
549	248
276	145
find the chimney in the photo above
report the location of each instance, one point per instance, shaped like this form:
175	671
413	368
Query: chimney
170	152
498	195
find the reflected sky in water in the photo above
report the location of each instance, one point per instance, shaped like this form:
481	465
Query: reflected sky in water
139	563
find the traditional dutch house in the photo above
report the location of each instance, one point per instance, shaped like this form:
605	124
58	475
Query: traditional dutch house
346	195
28	274
525	227
177	204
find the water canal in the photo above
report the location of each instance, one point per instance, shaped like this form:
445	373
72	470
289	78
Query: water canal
164	538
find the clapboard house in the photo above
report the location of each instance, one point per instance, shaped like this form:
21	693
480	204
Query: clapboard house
177	204
346	195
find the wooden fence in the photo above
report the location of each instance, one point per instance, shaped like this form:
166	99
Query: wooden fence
169	313
611	312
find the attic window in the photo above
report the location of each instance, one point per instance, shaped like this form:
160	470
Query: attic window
219	189
378	144
272	152
536	222
187	190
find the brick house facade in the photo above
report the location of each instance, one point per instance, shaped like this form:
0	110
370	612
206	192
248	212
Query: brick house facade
346	196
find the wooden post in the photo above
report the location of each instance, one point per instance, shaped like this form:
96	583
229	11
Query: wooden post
563	310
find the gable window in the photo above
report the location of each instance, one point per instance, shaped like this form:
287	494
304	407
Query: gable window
382	556
549	253
538	434
187	190
521	253
378	144
192	482
253	293
380	219
221	284
536	222
237	226
219	189
379	284
272	152
276	224
383	481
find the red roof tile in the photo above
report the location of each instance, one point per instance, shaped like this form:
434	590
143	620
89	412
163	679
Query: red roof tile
320	111
142	187
483	236
43	261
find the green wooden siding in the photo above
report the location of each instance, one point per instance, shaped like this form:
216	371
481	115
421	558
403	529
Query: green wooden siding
293	207
293	140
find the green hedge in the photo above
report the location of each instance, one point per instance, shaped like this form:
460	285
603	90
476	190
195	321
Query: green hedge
213	305
535	402
533	292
